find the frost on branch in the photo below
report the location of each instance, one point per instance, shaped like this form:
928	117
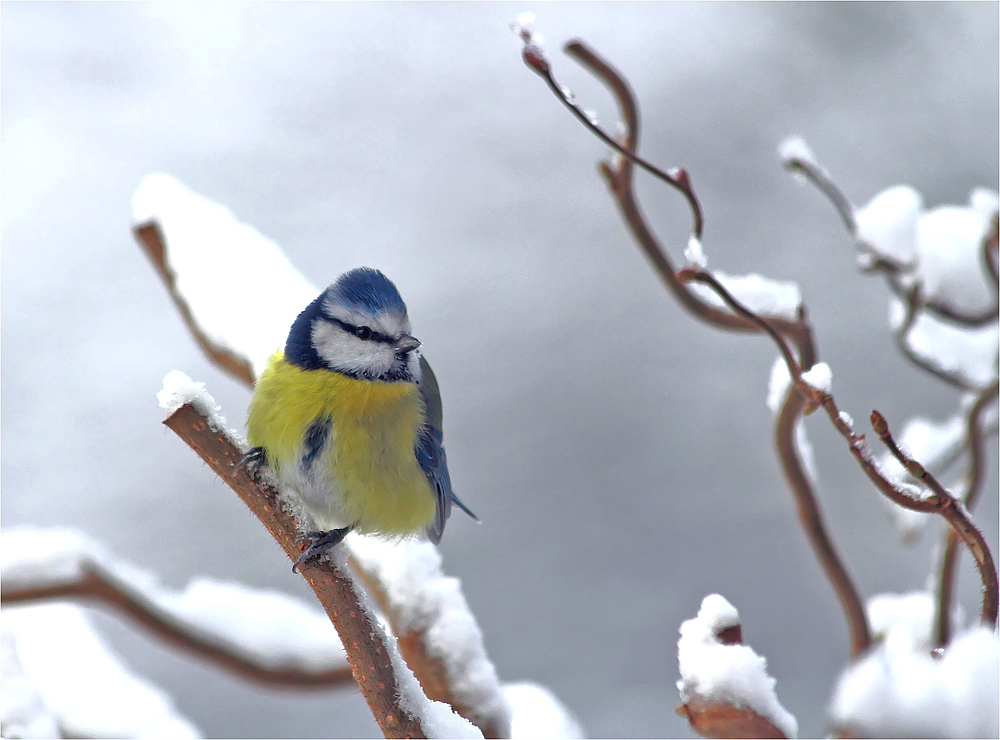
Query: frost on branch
900	690
267	628
238	284
82	685
762	295
724	684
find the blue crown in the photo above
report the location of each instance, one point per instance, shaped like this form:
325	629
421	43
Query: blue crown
366	290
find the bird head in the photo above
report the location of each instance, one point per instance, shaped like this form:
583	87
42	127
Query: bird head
358	327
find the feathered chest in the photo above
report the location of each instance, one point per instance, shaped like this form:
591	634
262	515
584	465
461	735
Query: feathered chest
371	424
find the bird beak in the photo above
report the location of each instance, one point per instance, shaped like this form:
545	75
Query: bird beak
406	343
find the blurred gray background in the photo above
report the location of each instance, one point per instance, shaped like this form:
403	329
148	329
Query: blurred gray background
617	451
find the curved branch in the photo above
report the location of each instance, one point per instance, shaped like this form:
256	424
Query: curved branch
620	182
808	506
98	585
363	639
954	511
893	270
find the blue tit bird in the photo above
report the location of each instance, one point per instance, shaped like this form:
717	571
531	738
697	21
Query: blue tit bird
349	417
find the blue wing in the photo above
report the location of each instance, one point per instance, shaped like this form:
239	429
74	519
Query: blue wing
430	455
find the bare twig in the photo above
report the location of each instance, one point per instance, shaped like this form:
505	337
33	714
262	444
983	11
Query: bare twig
940	501
973	485
98	584
955	512
359	631
619	179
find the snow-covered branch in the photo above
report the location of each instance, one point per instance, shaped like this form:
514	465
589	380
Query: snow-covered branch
263	636
942	268
392	692
724	684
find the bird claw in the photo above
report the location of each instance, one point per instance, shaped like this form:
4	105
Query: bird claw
320	543
253	460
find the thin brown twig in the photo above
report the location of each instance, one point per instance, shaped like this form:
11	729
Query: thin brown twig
893	270
975	443
619	179
362	638
97	584
957	515
940	502
912	303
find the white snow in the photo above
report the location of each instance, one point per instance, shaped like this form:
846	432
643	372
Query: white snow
717	673
82	682
778	385
887	224
971	352
931	443
694	255
898	690
847	419
795	149
819	377
267	627
537	713
769	298
179	390
23	712
941	249
426	600
239	285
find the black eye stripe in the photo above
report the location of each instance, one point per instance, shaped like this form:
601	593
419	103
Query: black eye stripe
360	331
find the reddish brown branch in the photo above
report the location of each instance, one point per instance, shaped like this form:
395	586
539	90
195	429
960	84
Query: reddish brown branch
435	678
98	585
620	182
798	480
975	443
893	270
151	238
363	640
954	511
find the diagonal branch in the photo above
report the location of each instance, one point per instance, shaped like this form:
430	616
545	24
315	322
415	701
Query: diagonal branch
363	639
95	583
444	677
957	515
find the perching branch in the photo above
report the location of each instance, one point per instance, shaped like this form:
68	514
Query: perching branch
98	584
443	677
620	182
363	639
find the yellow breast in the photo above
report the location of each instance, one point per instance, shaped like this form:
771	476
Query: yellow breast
372	478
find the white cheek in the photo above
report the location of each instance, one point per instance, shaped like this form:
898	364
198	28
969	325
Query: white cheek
346	352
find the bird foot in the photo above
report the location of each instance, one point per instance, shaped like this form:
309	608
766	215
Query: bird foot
320	542
253	460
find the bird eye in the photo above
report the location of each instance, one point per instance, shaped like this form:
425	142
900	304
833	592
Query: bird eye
363	332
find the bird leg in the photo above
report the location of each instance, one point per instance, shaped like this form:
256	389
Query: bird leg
320	543
256	457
